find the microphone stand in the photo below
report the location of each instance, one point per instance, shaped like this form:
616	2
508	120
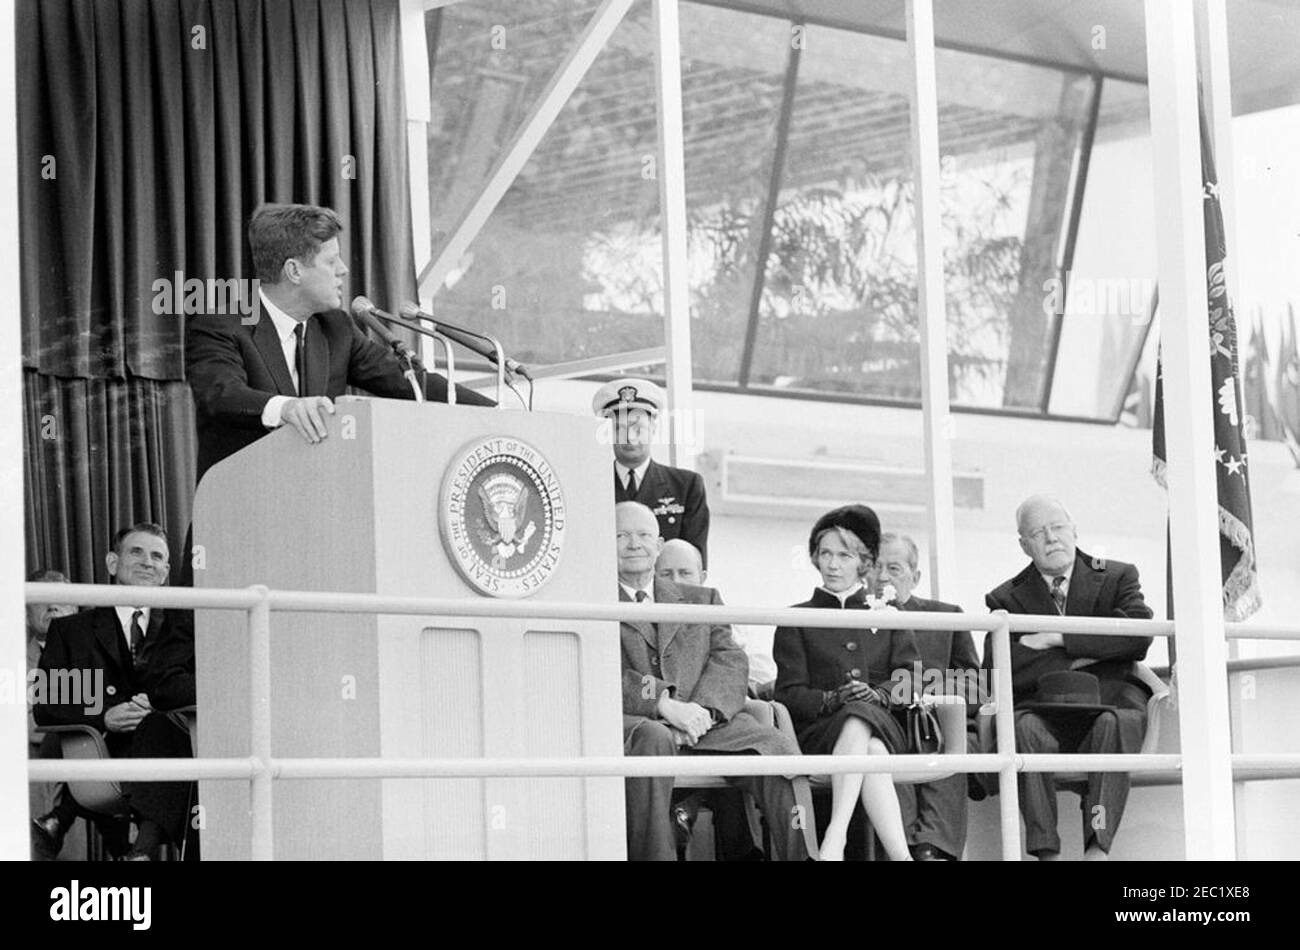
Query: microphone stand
496	345
403	354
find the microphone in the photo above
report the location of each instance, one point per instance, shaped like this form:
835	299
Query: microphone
366	312
484	346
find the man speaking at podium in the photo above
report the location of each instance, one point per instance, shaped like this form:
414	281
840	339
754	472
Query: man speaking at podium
252	375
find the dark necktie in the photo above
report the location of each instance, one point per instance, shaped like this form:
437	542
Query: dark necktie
1058	593
642	597
137	635
631	487
300	357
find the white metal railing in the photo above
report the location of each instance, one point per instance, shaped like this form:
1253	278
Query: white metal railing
262	768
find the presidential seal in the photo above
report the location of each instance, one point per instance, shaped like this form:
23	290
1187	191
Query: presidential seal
502	514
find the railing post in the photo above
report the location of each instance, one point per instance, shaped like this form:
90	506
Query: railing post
261	794
1004	726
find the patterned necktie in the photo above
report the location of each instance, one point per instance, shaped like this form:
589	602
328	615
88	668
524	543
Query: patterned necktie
1058	593
300	357
631	483
137	634
642	597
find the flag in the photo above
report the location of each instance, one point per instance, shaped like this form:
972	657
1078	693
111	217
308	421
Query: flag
1261	420
1288	388
1238	572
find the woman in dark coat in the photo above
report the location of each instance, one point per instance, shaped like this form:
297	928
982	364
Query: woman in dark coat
836	682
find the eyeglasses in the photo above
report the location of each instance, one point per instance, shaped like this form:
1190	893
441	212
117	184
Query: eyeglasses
1057	528
894	569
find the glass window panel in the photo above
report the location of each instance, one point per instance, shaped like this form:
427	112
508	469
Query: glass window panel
838	312
568	265
733	73
1109	289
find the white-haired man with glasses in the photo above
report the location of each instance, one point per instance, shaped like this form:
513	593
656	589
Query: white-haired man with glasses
1062	580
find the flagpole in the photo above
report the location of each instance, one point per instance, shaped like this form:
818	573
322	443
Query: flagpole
1209	828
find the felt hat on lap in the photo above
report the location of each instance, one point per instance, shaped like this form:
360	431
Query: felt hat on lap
1068	691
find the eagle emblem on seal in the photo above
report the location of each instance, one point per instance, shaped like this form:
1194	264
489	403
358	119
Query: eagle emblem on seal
504	526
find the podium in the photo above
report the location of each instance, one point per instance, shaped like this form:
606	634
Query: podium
422	500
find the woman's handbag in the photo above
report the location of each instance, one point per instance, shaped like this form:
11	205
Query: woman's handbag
923	732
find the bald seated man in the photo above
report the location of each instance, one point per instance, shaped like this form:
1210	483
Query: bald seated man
1062	580
684	692
681	563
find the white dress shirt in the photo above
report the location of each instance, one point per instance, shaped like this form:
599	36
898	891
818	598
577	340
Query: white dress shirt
1065	585
640	470
631	591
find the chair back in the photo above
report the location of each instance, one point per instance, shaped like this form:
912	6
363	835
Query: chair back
101	797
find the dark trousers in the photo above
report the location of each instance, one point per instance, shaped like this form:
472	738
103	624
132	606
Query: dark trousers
934	813
161	736
1105	794
649	801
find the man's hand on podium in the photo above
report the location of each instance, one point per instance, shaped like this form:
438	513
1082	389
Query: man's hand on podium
306	414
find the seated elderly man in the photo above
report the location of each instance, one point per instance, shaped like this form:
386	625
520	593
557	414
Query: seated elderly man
684	692
140	663
680	562
1073	693
934	813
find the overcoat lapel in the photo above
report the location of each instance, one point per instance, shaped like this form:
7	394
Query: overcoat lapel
108	633
666	595
1031	594
268	344
1085	586
646	630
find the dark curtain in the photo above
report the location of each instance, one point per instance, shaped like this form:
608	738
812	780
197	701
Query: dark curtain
148	133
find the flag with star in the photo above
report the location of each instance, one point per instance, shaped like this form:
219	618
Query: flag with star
1239	574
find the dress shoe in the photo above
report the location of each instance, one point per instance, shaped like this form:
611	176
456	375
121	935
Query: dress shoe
683	824
134	855
47	837
928	852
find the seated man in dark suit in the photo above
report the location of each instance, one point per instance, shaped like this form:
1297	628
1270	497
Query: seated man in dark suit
934	813
1063	580
674	495
684	691
139	662
300	350
44	797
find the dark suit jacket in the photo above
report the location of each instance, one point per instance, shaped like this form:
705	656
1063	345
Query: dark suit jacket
93	640
1098	588
676	496
234	369
810	660
700	663
945	650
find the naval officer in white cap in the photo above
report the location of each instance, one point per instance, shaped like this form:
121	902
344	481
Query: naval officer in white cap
675	495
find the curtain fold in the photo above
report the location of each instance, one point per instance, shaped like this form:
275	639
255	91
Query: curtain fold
148	132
